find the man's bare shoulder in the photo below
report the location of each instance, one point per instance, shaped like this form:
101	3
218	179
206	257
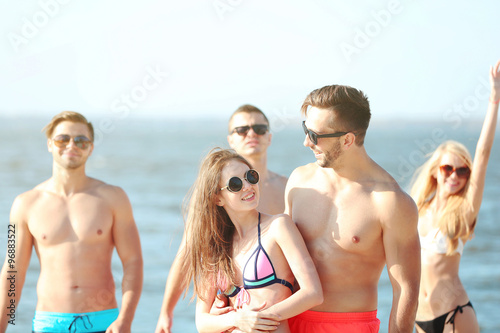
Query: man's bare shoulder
106	190
393	202
29	197
301	177
303	172
21	207
388	197
114	196
380	182
392	194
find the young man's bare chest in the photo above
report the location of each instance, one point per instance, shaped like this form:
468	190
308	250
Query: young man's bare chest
342	217
82	217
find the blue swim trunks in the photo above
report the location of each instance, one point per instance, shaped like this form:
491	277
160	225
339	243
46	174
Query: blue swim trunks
59	322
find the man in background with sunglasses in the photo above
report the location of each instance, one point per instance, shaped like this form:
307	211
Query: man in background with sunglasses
74	222
250	137
354	218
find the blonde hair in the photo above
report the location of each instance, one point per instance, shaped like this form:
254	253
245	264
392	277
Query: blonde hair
452	219
209	229
72	116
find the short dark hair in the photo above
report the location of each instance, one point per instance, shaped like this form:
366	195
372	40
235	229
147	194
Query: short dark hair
350	107
247	108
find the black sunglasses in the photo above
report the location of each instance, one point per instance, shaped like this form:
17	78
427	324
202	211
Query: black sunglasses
80	141
315	136
235	184
448	170
259	129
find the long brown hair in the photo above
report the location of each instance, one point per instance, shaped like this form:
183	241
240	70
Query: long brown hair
452	220
209	230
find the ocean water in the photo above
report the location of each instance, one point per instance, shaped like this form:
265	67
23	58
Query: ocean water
156	161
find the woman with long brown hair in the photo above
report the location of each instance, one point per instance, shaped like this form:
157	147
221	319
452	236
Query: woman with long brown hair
448	192
251	257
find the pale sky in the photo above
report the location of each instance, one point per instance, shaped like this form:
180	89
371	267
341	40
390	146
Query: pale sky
414	59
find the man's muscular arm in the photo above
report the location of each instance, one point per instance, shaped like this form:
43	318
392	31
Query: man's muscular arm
399	218
20	255
128	247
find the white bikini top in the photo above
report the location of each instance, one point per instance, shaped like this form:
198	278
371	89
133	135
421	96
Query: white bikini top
435	241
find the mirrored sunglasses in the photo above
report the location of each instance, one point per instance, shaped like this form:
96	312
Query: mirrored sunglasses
80	141
235	184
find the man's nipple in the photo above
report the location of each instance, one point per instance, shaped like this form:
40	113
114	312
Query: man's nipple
99	232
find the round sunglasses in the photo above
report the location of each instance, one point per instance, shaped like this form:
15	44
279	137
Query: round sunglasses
448	170
259	129
315	136
80	141
235	184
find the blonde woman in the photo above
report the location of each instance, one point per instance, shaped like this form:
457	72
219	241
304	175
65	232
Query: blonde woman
448	192
251	257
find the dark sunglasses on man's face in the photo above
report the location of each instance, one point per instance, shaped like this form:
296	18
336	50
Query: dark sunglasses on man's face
80	141
259	129
235	184
315	136
448	170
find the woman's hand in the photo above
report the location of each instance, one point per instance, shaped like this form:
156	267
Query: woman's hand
252	321
495	83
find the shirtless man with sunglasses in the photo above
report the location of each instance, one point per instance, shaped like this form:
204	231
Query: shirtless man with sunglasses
74	222
354	219
249	136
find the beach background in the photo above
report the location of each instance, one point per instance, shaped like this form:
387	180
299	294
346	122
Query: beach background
159	80
156	160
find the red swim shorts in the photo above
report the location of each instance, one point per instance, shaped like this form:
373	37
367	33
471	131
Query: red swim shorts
331	322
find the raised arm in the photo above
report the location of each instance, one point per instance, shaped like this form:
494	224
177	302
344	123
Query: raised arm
175	286
19	247
293	247
128	247
484	145
399	219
